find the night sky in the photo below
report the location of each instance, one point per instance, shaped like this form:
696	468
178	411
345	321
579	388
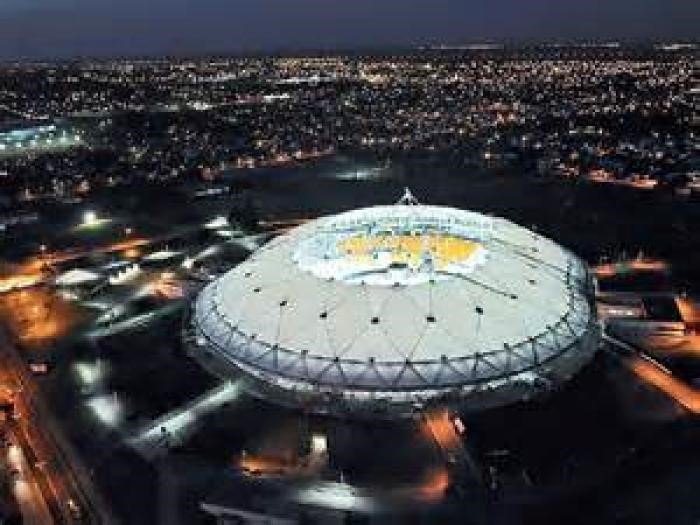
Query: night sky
67	28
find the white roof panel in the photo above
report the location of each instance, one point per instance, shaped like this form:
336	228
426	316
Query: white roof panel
400	297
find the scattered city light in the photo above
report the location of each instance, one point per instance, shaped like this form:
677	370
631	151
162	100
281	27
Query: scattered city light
108	409
90	218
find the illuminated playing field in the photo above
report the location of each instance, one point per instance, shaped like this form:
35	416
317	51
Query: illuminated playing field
412	250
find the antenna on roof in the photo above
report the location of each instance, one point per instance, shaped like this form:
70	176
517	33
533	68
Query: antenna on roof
407	199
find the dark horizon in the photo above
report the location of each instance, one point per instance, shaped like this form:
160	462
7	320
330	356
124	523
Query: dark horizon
67	29
504	45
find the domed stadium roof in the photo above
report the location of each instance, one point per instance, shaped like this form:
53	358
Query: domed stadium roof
402	304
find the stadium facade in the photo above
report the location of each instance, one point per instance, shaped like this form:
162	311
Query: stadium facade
391	309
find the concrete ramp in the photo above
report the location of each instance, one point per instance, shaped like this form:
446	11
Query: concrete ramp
173	428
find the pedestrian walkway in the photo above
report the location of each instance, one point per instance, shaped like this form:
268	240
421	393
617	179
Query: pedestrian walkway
176	426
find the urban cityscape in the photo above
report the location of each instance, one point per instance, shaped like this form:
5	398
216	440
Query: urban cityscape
452	283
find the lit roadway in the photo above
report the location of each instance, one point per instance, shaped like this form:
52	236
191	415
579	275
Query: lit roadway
62	478
438	426
25	487
632	265
655	374
632	353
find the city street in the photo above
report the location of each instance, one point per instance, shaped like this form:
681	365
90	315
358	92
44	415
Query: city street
65	487
26	488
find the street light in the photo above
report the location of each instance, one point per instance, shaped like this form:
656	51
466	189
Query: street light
90	218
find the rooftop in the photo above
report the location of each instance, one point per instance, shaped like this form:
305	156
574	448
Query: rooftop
402	298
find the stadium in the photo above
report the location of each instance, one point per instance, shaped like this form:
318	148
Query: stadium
389	310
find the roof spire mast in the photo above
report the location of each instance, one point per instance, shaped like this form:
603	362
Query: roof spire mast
408	199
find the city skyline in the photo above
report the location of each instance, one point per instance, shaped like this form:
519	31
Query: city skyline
77	28
303	261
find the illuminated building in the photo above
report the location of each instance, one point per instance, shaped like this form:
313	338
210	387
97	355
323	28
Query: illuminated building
389	309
